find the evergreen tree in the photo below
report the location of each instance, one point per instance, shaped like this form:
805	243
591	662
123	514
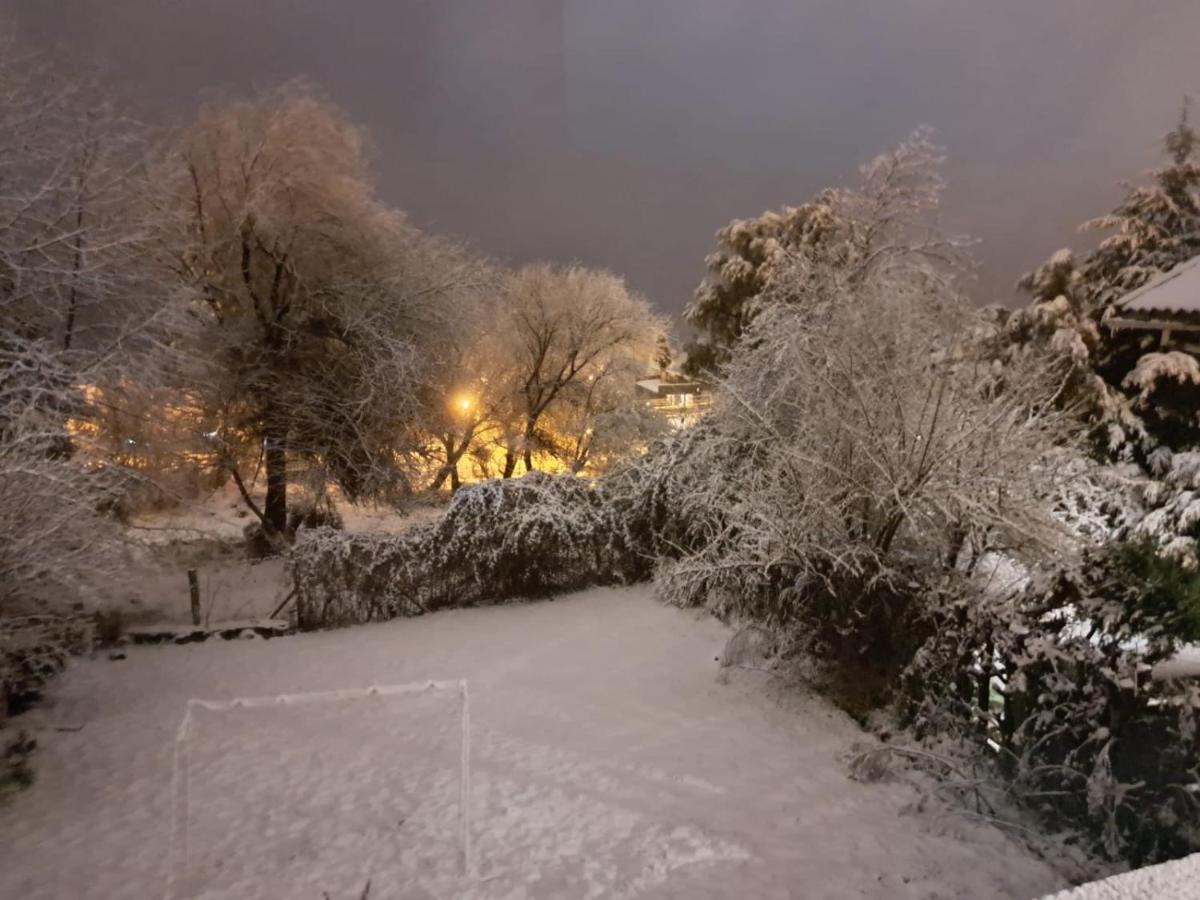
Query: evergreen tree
1134	396
739	271
1156	226
662	354
902	187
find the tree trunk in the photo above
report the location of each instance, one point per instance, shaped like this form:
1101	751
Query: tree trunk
76	266
440	478
275	456
530	427
510	462
449	469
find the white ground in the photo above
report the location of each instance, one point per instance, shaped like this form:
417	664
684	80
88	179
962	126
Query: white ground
223	515
606	761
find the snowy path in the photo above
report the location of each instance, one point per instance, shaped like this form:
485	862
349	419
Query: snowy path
605	761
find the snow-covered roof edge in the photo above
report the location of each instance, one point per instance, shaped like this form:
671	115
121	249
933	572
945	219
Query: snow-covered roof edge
1174	291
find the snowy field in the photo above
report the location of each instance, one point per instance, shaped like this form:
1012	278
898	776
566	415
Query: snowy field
604	760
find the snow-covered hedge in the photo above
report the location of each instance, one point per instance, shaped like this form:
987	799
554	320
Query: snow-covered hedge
525	537
347	579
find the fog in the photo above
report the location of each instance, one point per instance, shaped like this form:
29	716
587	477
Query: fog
623	134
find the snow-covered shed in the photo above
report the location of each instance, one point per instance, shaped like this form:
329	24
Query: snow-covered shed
1168	304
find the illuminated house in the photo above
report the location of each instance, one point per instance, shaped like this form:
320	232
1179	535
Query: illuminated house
680	401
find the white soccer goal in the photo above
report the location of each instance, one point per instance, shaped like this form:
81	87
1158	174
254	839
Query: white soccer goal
312	792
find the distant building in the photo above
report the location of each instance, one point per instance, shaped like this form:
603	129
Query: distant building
1168	304
680	401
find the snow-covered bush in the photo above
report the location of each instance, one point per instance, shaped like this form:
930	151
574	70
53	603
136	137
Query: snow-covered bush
862	448
55	540
527	537
1056	680
33	649
524	537
656	513
15	771
348	579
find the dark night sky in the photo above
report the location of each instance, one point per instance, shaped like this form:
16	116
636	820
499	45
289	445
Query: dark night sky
623	133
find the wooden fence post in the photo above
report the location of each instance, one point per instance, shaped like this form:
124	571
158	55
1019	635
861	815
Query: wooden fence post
194	588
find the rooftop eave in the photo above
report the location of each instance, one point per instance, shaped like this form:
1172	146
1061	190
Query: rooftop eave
1164	323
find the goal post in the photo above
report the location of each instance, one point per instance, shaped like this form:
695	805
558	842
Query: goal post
180	837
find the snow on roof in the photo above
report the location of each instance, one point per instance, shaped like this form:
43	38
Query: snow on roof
1175	291
1176	880
661	388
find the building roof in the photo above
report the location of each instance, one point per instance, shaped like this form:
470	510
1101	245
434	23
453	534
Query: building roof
663	388
1174	292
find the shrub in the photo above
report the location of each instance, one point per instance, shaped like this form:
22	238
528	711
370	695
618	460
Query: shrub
15	770
348	579
1053	681
1138	591
656	512
316	513
525	537
33	649
55	541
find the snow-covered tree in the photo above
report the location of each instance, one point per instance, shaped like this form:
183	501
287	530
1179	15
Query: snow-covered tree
1155	227
79	307
565	325
470	402
1132	396
740	270
56	543
72	260
662	354
867	439
603	418
314	308
749	251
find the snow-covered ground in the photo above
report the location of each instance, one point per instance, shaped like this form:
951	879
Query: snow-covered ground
207	535
222	515
604	760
